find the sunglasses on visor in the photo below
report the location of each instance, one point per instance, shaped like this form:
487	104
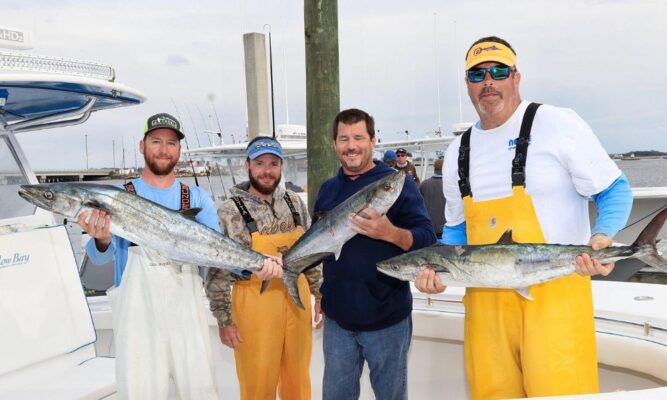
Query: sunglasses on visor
497	72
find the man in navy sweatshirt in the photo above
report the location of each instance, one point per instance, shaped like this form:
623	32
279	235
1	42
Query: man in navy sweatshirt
368	313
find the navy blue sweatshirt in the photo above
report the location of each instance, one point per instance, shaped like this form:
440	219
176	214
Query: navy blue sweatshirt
354	293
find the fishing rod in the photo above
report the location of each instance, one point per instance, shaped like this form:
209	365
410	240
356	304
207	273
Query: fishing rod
194	128
217	166
192	164
229	162
646	216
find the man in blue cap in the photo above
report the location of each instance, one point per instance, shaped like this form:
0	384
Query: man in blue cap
271	337
390	158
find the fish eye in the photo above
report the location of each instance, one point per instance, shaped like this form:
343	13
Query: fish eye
395	267
48	195
387	186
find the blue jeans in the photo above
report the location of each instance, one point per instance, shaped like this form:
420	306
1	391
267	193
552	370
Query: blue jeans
385	350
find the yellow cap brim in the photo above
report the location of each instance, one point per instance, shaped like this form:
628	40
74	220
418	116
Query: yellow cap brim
490	51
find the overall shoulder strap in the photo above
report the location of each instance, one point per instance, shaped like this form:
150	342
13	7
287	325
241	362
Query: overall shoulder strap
129	186
464	164
295	213
185	196
247	218
522	142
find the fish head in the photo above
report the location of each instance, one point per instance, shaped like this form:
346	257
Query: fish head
406	267
61	198
386	192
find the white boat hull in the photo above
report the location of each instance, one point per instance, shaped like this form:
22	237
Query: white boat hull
632	345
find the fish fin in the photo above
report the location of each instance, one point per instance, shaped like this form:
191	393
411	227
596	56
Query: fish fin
525	293
318	215
190	213
94	204
506	238
647	240
265	284
650	232
241	274
301	264
290	279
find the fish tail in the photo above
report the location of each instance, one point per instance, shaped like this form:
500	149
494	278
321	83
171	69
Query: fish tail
290	281
292	269
299	265
647	242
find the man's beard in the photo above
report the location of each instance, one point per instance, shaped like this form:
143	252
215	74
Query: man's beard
487	109
263	189
156	169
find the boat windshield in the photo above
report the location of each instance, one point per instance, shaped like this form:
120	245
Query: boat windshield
11	178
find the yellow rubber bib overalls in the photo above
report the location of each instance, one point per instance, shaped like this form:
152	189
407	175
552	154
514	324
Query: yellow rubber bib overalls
516	347
277	335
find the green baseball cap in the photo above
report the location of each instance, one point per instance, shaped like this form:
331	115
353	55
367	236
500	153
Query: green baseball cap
163	120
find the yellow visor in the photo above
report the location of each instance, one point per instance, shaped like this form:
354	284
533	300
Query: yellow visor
490	51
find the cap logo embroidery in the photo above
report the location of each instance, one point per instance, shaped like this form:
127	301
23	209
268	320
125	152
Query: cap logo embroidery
164	121
479	50
265	144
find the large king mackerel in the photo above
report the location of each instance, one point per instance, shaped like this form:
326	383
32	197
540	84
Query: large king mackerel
328	234
517	266
175	235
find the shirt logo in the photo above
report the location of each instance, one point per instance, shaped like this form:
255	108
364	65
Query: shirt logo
492	222
511	145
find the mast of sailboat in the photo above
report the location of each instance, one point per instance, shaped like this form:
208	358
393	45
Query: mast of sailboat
437	75
210	131
273	113
458	79
282	24
229	162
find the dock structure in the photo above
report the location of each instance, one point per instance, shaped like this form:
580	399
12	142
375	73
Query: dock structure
76	175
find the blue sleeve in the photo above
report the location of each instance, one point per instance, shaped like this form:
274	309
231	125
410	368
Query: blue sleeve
117	252
454	235
208	215
412	215
614	205
97	257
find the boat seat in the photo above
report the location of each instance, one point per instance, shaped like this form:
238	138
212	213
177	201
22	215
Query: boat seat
46	331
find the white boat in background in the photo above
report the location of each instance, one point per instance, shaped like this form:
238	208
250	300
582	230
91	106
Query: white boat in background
57	344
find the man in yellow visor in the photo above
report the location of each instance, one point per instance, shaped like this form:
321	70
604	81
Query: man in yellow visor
530	168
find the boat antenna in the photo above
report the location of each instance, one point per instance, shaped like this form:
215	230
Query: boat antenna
273	114
192	164
458	79
437	75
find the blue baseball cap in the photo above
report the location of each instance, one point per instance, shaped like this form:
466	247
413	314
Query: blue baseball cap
264	145
389	155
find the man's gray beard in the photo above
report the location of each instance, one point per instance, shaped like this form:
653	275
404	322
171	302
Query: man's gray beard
261	188
405	164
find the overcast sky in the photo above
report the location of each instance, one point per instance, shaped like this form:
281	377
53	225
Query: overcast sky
604	59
